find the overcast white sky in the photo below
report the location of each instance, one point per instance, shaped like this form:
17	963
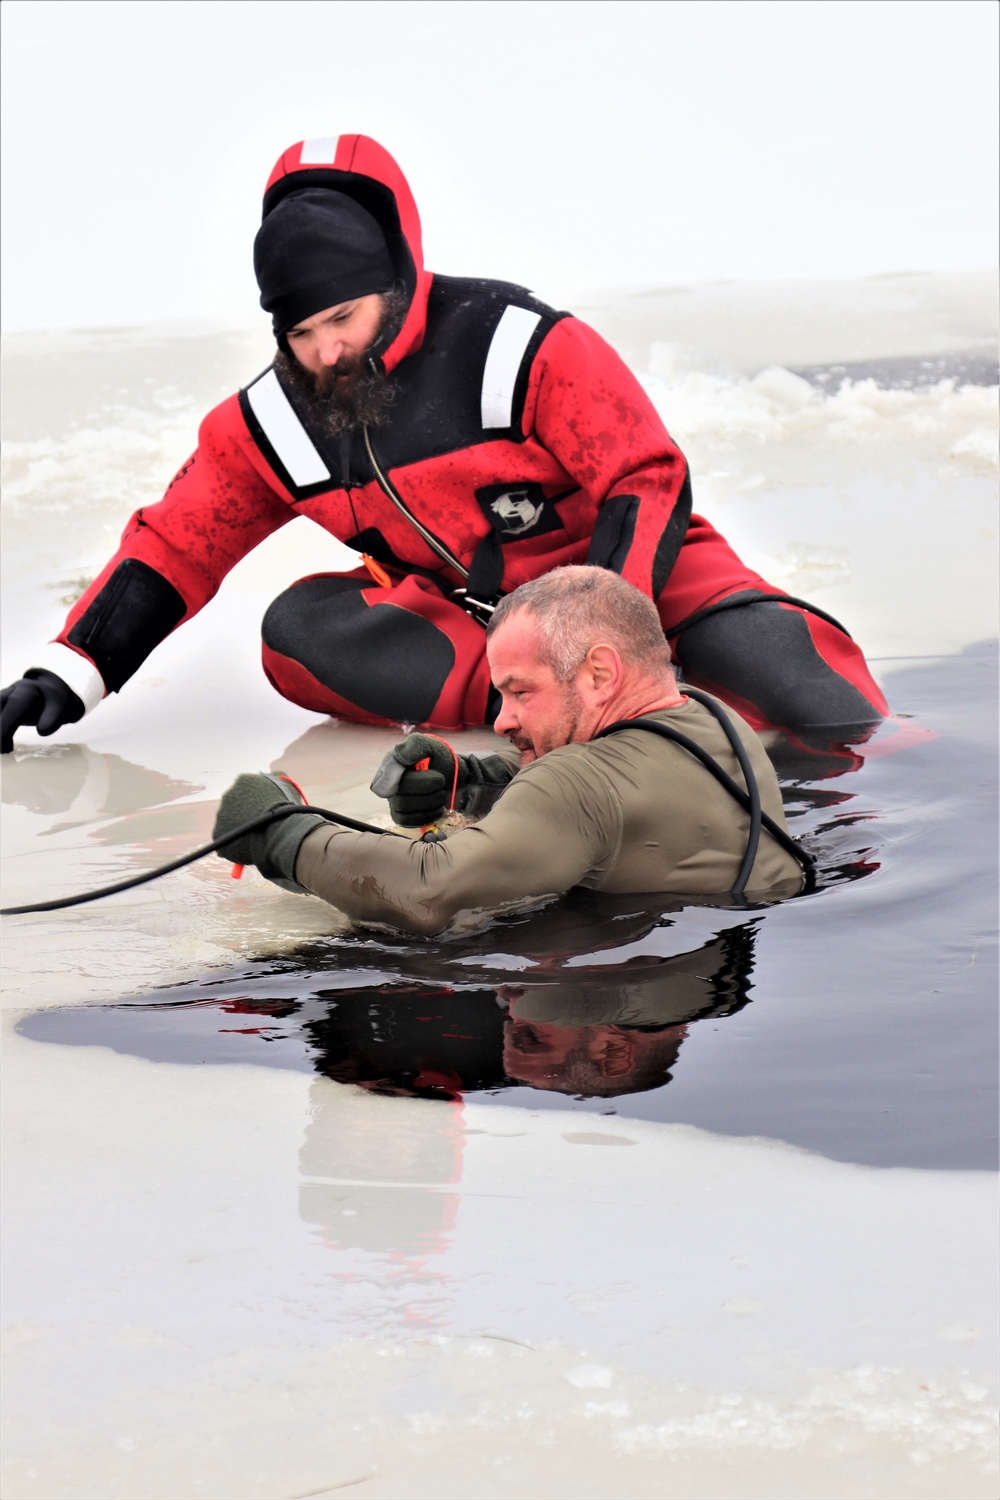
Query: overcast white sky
561	143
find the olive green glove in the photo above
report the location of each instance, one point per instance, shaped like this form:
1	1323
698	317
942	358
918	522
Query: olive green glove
417	798
275	847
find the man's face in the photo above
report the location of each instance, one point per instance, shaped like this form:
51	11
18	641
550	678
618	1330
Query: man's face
538	712
332	343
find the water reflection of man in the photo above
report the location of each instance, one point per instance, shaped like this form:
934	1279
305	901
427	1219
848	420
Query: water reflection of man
594	1032
579	1024
571	654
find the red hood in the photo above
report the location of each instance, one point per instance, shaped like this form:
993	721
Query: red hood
358	166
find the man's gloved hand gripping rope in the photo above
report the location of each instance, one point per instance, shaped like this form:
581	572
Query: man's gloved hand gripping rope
423	778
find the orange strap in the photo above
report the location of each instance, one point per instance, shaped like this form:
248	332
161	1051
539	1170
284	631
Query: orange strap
379	574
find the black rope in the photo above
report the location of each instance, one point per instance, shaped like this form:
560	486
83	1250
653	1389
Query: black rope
753	790
261	821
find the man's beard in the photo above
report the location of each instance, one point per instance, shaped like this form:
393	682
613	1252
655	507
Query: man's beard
561	732
352	393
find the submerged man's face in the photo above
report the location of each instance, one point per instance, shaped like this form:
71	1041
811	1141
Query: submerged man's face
332	343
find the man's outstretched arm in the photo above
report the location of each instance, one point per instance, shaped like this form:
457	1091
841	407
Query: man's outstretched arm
172	557
552	825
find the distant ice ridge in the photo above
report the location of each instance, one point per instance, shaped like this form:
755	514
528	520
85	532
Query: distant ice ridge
109	470
943	420
130	461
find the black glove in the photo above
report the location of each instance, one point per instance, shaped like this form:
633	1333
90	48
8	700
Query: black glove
40	698
275	847
417	798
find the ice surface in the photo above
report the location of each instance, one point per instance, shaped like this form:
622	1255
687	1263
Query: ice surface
234	1281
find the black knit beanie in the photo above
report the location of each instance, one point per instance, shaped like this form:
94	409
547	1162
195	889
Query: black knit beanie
315	249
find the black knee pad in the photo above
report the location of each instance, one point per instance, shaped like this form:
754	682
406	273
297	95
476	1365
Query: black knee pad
387	661
765	653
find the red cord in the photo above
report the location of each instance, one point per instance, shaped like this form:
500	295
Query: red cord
454	779
284	776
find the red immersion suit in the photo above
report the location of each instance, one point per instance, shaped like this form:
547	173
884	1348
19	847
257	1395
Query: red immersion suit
518	441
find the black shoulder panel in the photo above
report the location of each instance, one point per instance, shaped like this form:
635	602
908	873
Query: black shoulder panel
135	610
438	406
672	540
613	533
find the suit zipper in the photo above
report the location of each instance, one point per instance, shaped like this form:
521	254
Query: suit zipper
389	491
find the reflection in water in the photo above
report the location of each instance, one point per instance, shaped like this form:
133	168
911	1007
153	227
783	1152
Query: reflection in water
610	1025
370	1183
595	1036
83	784
633	1031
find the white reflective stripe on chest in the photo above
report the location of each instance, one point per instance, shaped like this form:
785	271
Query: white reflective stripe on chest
503	363
285	432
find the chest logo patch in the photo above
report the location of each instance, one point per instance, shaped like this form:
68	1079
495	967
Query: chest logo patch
516	510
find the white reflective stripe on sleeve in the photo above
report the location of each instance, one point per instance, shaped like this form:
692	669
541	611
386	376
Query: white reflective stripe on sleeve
76	672
319	153
285	432
512	336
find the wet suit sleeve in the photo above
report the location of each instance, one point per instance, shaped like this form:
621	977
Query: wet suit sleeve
174	554
587	408
553	825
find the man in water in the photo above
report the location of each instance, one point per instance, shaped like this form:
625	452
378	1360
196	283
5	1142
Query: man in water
570	654
463	438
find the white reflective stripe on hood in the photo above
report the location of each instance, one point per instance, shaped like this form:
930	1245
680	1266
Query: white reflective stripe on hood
320	152
503	363
285	432
76	671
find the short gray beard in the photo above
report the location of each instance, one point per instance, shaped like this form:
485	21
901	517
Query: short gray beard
365	402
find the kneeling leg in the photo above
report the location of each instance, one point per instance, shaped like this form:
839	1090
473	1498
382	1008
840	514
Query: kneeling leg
337	644
783	667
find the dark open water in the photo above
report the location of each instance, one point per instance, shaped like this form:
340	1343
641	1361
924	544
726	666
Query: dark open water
858	1021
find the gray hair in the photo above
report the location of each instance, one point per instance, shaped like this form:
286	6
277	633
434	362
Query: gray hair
576	608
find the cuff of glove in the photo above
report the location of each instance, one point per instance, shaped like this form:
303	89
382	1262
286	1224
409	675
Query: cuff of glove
281	849
77	672
486	776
